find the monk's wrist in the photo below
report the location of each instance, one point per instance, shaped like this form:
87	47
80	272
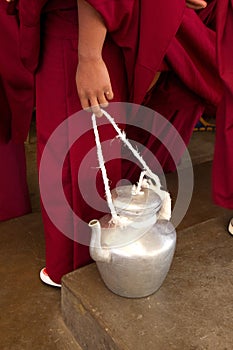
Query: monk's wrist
89	57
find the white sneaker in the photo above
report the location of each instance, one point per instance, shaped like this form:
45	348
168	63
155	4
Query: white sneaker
230	227
46	279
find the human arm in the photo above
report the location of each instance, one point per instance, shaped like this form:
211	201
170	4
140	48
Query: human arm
196	4
92	77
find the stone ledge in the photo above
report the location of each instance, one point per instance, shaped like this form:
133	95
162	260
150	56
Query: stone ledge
192	310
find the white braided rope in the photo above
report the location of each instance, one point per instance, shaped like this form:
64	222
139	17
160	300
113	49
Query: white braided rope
122	136
103	170
165	211
141	183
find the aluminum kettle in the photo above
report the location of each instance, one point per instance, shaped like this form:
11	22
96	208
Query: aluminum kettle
133	256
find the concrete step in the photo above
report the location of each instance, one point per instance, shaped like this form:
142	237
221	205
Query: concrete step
192	310
61	336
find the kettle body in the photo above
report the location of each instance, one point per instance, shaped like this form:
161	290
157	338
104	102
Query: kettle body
133	258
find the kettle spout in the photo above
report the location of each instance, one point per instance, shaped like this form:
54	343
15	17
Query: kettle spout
98	253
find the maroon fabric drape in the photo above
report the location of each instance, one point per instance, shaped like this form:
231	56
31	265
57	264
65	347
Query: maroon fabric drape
223	157
16	105
141	30
57	100
18	82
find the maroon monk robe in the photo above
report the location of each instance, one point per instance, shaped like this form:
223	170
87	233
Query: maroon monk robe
16	105
191	85
186	45
56	92
17	81
140	29
62	255
144	47
57	99
223	156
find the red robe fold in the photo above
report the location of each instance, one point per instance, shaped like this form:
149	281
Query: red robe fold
16	104
223	157
181	95
140	29
18	82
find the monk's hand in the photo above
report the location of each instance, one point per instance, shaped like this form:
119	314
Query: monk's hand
196	4
93	85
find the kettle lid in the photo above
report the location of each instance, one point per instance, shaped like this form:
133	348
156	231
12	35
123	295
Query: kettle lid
146	200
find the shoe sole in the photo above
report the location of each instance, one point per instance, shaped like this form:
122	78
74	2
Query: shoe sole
47	280
230	228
